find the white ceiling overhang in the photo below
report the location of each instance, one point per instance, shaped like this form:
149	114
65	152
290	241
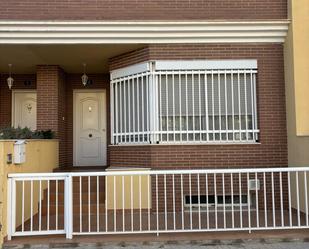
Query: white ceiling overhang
121	32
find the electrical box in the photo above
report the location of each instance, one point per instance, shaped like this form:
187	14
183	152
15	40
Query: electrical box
20	151
254	184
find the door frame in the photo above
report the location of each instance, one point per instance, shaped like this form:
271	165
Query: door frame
75	92
13	101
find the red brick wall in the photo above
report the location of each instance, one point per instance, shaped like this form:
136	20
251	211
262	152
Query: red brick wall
143	9
272	150
99	81
51	104
21	81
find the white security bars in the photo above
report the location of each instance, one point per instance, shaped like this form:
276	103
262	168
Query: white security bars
185	101
165	201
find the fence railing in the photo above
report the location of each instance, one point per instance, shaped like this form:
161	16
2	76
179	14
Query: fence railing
165	201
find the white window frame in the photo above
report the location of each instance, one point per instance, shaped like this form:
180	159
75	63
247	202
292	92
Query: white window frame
149	75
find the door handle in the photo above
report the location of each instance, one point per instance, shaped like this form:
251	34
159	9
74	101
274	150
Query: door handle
90	135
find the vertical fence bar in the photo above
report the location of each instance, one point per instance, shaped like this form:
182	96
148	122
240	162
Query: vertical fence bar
40	205
160	105
255	104
240	200
249	202
157	203
165	203
233	111
57	194
123	203
133	109
106	205
207	201
223	196
138	106
193	106
199	201
306	196
206	106
125	109
257	201
190	192
148	200
143	115
182	204
239	105
120	110
173	99
167	107
290	205
31	206
132	204
11	209
265	199
68	195
98	205
199	104
273	199
174	211
281	199
23	207
115	209
116	114
252	105
187	115
48	200
140	201
216	201
225	100
89	207
80	205
112	92
297	199
246	104
232	201
219	102
180	103
129	109
147	105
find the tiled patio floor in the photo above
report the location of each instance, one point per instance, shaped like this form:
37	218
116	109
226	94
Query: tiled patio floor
136	221
212	240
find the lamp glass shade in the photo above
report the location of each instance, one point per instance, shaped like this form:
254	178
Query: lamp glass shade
10	82
84	79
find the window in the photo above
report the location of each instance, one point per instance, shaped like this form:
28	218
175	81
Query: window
185	101
212	200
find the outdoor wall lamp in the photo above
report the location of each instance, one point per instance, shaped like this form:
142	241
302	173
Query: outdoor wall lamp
84	76
10	80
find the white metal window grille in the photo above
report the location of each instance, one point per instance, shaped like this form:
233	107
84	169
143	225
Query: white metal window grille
185	101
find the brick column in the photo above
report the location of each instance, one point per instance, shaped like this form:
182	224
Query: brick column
51	103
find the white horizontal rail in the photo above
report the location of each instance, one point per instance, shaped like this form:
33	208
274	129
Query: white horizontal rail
158	172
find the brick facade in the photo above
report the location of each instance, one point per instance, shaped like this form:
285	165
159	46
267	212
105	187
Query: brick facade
55	101
143	10
272	150
51	103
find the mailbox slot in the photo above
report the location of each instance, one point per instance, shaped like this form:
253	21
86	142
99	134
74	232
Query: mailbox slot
20	152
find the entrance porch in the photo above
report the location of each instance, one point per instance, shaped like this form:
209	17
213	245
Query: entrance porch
48	93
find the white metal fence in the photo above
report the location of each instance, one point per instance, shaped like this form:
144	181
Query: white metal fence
165	201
